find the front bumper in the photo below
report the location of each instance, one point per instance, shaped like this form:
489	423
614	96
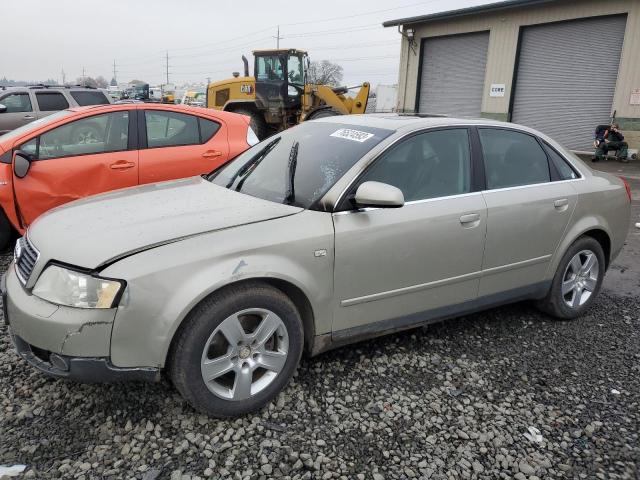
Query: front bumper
82	369
63	341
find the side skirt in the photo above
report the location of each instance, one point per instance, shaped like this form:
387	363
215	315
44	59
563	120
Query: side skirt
329	341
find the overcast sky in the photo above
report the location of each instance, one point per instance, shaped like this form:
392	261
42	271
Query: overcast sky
203	38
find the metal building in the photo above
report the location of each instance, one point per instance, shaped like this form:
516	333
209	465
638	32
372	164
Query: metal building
560	66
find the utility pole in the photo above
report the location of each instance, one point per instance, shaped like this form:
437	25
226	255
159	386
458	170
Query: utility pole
64	77
278	37
84	83
167	64
114	71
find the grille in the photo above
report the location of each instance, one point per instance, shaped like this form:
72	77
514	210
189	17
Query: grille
26	257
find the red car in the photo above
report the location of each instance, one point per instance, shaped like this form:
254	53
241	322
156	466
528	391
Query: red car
83	151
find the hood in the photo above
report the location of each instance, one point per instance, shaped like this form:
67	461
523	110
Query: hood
98	230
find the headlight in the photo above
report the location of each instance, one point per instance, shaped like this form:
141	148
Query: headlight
75	289
252	138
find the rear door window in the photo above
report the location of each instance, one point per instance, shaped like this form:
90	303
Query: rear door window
565	171
171	129
512	159
51	101
17	102
84	98
208	129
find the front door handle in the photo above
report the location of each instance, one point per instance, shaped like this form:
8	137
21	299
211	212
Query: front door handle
122	165
469	219
561	204
212	154
29	116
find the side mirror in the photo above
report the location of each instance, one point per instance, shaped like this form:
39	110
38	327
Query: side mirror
3	108
21	164
377	194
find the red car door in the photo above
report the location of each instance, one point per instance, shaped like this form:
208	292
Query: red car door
83	157
180	145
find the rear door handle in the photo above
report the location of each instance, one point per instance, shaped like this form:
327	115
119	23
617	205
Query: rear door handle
29	116
561	204
212	154
470	218
122	165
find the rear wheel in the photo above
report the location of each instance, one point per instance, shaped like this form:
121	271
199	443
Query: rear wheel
237	350
577	281
257	122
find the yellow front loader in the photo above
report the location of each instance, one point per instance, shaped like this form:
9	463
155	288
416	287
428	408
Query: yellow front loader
278	96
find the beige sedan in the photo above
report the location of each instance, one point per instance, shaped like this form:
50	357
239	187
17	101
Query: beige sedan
333	231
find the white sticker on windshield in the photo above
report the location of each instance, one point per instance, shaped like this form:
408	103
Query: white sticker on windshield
355	135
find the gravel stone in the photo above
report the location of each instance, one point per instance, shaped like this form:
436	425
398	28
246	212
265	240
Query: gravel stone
451	401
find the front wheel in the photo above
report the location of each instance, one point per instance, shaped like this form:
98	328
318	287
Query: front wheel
323	113
237	350
577	281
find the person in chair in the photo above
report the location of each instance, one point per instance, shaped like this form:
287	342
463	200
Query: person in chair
613	140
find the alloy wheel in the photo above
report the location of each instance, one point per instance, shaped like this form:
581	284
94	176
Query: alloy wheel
580	278
244	354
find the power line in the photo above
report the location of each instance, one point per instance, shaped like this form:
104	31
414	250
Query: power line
148	60
372	12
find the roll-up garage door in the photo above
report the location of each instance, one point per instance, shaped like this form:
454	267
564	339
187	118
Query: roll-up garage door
452	77
567	76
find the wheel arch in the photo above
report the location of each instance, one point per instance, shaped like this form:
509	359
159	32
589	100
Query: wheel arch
604	240
594	227
292	291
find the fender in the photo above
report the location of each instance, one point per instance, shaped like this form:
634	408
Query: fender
169	281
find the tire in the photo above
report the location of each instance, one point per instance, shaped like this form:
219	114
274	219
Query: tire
6	231
257	122
202	345
576	301
325	112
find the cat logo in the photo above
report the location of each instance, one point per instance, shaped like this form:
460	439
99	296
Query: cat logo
246	89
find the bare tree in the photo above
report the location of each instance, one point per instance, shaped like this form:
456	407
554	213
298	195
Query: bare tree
101	82
98	82
325	73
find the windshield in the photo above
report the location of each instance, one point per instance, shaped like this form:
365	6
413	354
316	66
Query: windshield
298	166
18	132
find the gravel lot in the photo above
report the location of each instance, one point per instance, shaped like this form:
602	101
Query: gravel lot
450	401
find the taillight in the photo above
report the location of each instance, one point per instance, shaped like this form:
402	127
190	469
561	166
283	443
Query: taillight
627	187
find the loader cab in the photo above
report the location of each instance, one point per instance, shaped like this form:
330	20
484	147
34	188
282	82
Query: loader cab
280	78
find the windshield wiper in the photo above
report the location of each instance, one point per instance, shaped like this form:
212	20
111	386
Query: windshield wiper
252	162
290	197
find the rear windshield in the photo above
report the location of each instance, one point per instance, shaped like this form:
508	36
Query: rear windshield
298	166
18	132
89	98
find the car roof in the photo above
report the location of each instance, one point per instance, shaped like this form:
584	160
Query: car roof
407	122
